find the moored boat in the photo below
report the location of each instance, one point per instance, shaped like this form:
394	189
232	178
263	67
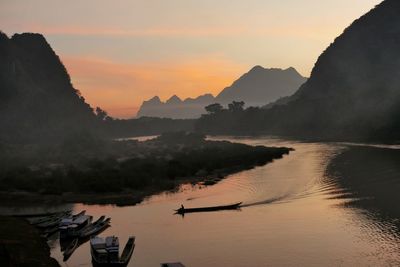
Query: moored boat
71	228
105	251
172	264
73	245
95	228
50	231
45	219
184	210
49	223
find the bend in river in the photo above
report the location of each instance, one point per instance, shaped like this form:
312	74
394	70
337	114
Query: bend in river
297	211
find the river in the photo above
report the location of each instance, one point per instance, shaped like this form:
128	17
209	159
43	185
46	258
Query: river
295	213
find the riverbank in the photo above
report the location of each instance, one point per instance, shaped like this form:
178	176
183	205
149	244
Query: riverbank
22	245
126	172
25	198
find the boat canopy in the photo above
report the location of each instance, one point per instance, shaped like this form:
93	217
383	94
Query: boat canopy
66	221
81	219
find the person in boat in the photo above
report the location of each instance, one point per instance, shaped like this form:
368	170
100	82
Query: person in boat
182	207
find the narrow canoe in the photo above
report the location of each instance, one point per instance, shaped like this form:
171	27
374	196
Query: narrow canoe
70	249
95	228
128	251
173	264
40	220
208	209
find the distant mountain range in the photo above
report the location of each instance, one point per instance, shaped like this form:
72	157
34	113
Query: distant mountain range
37	98
257	87
174	107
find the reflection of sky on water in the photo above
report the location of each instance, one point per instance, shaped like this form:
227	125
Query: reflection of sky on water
295	215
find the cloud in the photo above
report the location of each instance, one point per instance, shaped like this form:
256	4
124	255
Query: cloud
123	32
300	30
120	88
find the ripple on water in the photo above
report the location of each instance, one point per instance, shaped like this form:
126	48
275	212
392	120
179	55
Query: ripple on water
292	216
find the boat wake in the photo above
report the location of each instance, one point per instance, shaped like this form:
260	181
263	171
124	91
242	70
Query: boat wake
273	200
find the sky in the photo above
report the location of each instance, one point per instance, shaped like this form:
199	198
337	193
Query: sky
122	52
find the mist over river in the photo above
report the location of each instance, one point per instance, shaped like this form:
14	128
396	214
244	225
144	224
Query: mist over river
301	210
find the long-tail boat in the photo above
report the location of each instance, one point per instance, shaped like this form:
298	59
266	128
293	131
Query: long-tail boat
184	210
105	251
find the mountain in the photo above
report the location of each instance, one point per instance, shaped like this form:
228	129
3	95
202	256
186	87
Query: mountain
354	88
37	99
260	86
257	87
175	108
353	92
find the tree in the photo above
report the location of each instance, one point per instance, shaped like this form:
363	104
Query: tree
214	108
101	114
236	106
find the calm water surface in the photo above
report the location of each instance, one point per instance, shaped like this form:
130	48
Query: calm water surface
294	214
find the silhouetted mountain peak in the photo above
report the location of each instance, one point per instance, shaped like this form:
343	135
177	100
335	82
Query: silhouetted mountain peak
29	36
34	83
261	85
174	100
256	68
354	86
154	100
3	36
292	70
34	42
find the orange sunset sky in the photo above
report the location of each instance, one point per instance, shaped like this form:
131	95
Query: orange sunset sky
122	52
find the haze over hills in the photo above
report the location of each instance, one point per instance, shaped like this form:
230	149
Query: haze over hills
36	94
174	107
353	91
257	87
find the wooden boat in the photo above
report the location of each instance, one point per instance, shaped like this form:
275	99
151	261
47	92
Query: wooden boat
40	220
53	226
83	212
183	210
51	223
105	252
70	249
173	264
98	221
128	250
95	228
50	231
71	228
66	221
38	215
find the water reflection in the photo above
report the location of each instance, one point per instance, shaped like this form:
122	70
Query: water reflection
323	205
370	176
296	212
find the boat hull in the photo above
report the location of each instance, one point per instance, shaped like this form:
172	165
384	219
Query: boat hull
208	209
123	259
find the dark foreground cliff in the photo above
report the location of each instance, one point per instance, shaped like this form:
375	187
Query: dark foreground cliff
21	245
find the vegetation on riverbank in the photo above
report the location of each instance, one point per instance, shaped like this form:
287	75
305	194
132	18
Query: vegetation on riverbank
22	245
86	166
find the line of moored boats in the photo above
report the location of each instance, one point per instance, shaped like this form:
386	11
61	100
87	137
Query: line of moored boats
76	229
